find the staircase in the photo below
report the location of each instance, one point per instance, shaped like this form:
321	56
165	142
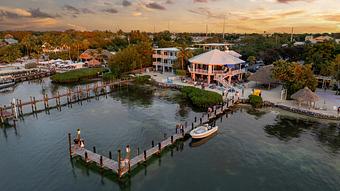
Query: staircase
220	78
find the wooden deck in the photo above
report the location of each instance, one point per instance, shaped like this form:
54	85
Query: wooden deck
127	165
20	108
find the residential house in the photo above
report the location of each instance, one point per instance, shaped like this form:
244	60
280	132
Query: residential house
164	59
216	65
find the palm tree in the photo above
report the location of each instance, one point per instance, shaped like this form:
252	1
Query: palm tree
184	54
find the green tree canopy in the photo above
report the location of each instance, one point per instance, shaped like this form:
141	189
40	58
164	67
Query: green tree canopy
294	76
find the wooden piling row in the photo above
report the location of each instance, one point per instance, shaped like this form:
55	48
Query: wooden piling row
124	166
16	109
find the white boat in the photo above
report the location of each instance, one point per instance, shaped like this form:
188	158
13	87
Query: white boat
203	131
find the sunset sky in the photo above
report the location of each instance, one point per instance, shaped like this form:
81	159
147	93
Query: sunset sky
176	15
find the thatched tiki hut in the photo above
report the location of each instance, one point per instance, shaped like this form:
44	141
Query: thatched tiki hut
264	76
305	95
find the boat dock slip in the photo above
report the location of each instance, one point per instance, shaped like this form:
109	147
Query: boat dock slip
18	108
122	166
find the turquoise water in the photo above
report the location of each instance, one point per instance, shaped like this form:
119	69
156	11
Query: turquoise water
253	150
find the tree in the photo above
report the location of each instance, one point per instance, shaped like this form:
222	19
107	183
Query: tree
9	54
131	58
184	54
294	76
251	60
320	55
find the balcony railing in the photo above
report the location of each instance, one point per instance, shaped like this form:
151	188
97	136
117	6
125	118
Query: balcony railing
219	72
164	56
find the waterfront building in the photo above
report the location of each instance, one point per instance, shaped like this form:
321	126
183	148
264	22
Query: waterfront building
164	59
216	65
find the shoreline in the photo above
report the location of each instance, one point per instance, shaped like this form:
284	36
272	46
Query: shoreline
301	111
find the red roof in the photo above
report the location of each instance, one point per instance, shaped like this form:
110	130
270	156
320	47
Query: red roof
85	56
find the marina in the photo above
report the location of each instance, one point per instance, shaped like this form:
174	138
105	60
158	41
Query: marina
246	142
121	167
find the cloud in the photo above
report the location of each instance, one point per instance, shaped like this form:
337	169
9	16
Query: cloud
36	13
154	5
136	14
206	12
289	1
74	12
110	10
333	17
71	9
15	13
87	11
126	3
200	1
290	13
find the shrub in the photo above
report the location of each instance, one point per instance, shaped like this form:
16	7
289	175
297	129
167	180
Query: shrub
142	79
30	65
255	101
109	76
75	76
201	98
181	72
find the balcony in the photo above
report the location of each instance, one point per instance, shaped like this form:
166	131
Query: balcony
216	72
164	56
161	64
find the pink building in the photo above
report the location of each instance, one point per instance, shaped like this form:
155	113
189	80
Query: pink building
216	65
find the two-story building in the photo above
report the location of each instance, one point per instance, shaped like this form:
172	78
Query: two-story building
164	59
216	65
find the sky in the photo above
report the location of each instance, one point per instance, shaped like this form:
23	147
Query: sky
240	16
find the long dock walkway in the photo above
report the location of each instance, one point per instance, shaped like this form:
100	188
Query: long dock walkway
18	108
122	166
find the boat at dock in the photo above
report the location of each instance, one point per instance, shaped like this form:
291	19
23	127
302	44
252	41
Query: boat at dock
203	131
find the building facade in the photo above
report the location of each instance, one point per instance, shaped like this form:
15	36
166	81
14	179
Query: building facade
216	65
164	59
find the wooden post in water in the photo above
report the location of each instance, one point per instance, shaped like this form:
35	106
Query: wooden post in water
192	126
69	144
47	104
144	155
152	143
20	106
159	148
35	104
101	161
137	151
94	149
172	139
119	161
1	115
110	155
195	119
32	104
86	156
44	100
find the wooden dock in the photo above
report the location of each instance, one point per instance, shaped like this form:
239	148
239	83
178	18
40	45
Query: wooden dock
18	108
122	166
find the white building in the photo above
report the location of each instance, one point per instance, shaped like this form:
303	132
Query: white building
164	59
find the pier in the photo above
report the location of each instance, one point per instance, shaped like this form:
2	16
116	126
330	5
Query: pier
19	108
123	166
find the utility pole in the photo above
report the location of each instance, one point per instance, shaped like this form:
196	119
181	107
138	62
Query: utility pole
291	35
224	27
206	30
